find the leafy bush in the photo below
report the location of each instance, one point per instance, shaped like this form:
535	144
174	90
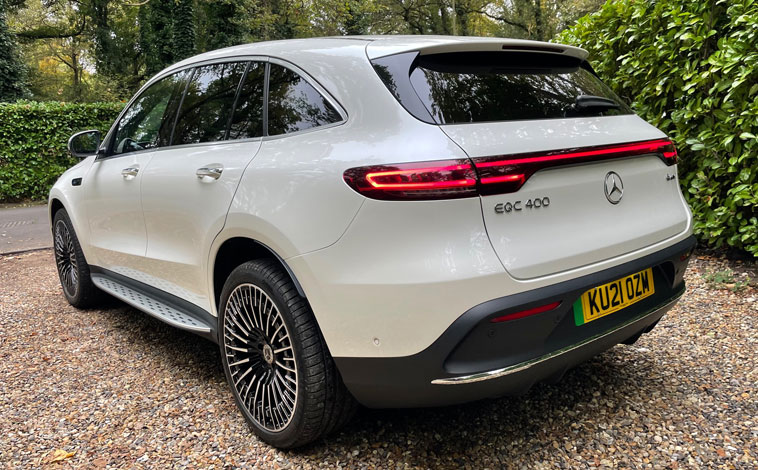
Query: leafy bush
691	68
33	138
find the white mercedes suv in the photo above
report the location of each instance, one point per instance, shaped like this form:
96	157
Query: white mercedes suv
390	221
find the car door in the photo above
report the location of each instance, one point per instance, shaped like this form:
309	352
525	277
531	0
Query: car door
117	227
187	188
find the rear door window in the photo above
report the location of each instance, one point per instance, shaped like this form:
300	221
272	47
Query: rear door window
294	104
207	105
504	86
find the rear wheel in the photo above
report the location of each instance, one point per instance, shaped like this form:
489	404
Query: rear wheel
73	270
281	374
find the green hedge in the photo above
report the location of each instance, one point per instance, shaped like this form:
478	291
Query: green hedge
33	139
691	68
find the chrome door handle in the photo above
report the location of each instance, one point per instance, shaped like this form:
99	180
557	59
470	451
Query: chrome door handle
211	171
130	172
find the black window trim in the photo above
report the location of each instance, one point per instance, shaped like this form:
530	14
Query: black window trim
266	60
191	76
248	64
266	72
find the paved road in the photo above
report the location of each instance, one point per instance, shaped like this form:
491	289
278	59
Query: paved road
24	228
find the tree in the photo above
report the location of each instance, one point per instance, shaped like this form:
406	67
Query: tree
12	70
537	19
691	69
155	34
183	26
222	24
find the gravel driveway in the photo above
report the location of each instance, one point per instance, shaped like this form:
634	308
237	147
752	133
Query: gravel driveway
121	390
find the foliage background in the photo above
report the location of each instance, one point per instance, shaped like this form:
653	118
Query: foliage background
33	139
691	69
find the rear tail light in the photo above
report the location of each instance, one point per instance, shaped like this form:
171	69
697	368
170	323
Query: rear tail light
445	179
526	313
506	174
449	179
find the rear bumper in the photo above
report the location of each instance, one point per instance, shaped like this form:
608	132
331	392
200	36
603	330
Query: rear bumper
475	359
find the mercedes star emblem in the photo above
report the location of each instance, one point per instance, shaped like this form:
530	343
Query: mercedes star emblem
614	187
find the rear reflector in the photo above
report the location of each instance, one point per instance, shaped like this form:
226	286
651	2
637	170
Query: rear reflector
450	179
526	313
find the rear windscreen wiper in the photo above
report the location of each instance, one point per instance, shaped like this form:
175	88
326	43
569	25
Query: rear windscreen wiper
590	101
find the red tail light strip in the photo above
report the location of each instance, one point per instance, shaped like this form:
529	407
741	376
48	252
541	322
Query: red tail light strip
450	179
526	313
507	173
446	179
441	177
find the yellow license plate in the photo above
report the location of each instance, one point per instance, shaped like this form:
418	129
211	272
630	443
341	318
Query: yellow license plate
612	297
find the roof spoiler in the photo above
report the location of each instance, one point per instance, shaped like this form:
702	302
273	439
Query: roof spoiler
442	44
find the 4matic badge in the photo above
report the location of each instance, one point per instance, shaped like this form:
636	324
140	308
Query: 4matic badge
508	207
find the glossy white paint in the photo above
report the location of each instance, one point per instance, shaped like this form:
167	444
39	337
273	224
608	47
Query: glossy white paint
73	197
580	226
114	210
384	278
400	275
184	213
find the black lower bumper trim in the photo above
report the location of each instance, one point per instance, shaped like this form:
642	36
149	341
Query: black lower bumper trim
549	343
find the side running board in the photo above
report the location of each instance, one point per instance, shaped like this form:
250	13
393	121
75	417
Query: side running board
155	303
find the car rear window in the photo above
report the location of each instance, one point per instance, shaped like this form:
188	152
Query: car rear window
294	105
466	87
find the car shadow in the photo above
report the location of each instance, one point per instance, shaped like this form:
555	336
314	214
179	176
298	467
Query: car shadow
589	398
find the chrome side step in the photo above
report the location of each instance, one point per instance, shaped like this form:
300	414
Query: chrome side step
151	305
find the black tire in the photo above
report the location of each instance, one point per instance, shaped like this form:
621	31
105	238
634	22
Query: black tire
265	327
73	270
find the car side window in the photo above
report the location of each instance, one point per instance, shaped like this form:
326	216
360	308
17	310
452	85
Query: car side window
247	121
294	104
207	105
149	120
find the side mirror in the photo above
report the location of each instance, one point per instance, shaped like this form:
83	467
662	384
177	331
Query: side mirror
84	144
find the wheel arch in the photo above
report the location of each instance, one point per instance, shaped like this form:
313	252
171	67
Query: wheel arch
237	250
55	205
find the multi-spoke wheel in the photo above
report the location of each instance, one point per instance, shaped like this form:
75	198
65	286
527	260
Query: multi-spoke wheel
65	257
260	357
72	267
281	374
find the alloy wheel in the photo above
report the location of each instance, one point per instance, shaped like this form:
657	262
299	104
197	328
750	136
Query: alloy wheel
65	257
260	357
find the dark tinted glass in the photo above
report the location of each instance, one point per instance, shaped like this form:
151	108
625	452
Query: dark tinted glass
148	121
502	86
294	105
207	105
248	114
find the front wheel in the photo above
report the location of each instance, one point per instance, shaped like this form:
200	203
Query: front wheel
283	379
73	270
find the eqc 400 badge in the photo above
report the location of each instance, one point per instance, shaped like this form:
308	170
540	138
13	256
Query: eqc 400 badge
612	297
536	203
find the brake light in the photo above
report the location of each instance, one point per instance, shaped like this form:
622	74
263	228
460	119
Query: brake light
526	313
446	179
507	173
450	179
